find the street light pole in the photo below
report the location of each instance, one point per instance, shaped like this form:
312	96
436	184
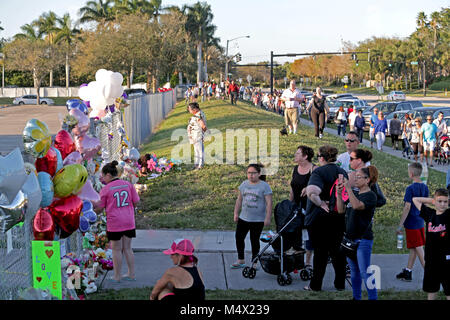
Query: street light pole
2	56
226	55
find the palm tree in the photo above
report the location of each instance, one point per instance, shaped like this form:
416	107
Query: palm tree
95	11
46	25
199	26
66	33
434	23
421	19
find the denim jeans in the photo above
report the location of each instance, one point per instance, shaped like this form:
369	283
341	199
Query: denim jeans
359	270
360	134
342	127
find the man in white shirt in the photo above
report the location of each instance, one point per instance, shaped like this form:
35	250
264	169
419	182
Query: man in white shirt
292	99
441	125
351	144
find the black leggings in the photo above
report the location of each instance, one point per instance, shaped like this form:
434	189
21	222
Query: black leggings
326	234
318	118
242	228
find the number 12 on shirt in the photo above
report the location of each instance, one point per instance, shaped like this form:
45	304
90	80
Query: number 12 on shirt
121	198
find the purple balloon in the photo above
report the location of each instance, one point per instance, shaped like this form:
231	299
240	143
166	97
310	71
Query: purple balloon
124	95
87	103
87	146
88	193
83	124
84	85
73	158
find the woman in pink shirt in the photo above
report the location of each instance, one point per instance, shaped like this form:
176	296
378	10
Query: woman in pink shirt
118	198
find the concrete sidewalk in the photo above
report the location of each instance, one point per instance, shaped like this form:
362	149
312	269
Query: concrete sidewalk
216	251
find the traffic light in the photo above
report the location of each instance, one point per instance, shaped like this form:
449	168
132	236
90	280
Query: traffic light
238	57
354	56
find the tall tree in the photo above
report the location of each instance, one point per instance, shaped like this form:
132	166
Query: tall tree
67	33
200	27
95	11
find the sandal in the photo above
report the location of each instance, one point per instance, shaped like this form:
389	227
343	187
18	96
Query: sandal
114	280
128	279
238	265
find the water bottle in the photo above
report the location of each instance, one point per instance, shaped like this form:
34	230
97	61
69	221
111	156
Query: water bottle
424	175
400	241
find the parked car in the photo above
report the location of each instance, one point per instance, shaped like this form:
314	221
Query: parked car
392	106
390	116
135	92
32	99
424	112
356	102
334	106
445	111
339	96
396	95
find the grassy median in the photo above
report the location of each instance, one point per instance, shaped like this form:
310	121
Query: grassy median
205	199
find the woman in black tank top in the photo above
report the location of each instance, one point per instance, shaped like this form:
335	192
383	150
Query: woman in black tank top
183	282
319	111
300	175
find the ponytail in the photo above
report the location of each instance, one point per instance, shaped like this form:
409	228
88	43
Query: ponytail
111	168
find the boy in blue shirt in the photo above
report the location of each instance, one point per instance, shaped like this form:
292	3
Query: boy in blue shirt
413	223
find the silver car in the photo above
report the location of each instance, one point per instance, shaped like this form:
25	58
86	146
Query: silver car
32	99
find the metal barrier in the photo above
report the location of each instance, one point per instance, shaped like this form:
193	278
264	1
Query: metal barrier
139	119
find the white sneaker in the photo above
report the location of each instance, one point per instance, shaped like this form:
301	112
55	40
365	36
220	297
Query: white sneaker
320	136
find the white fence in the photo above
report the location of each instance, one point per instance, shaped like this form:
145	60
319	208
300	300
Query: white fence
53	92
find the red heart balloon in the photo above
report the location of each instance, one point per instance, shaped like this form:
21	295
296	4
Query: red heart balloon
64	143
43	225
66	213
48	163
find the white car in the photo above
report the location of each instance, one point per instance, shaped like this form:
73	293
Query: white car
32	99
396	95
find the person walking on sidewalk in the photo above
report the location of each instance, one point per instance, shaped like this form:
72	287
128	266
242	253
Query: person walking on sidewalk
373	118
233	90
416	142
184	282
292	99
429	137
360	123
412	222
406	136
196	130
119	199
319	112
380	127
351	118
395	130
254	203
358	218
341	121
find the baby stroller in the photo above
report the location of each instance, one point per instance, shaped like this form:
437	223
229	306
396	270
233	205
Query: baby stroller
442	150
288	218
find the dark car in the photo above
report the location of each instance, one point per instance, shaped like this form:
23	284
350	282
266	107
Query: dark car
135	92
424	112
445	111
392	106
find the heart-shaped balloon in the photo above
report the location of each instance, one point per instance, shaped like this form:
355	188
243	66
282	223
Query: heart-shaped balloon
88	193
88	146
36	138
69	180
43	225
12	174
47	163
73	158
33	192
47	190
82	127
88	211
64	143
66	213
13	213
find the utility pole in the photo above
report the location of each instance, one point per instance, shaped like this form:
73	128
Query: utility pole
424	80
271	72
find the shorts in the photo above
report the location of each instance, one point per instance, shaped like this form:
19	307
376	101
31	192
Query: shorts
434	276
429	145
372	134
291	116
417	148
115	236
415	238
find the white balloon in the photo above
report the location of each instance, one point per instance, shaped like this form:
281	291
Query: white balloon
83	93
101	74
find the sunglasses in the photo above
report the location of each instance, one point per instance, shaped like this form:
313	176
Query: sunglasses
252	172
429	119
319	155
350	140
351	158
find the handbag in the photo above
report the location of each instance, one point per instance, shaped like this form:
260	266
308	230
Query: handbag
349	247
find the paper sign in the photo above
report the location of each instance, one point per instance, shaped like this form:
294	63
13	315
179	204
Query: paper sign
9	246
46	261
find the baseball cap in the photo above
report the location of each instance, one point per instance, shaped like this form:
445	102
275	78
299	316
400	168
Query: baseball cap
181	246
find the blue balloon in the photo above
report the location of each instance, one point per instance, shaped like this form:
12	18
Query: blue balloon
59	163
88	211
77	104
84	224
46	184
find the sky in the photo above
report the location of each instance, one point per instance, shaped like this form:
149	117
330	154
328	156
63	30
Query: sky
281	26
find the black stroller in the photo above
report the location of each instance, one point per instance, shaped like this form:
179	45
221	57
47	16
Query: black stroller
288	219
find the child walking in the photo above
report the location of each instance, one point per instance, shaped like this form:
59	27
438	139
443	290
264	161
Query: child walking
255	205
413	223
437	247
119	197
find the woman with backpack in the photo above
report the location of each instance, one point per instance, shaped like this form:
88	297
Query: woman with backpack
359	210
326	227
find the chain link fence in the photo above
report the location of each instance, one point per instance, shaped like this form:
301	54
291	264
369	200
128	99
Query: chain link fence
138	120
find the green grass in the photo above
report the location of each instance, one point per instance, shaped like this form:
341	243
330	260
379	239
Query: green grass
250	294
204	200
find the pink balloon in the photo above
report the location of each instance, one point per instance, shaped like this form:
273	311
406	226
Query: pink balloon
88	193
73	158
87	146
83	124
